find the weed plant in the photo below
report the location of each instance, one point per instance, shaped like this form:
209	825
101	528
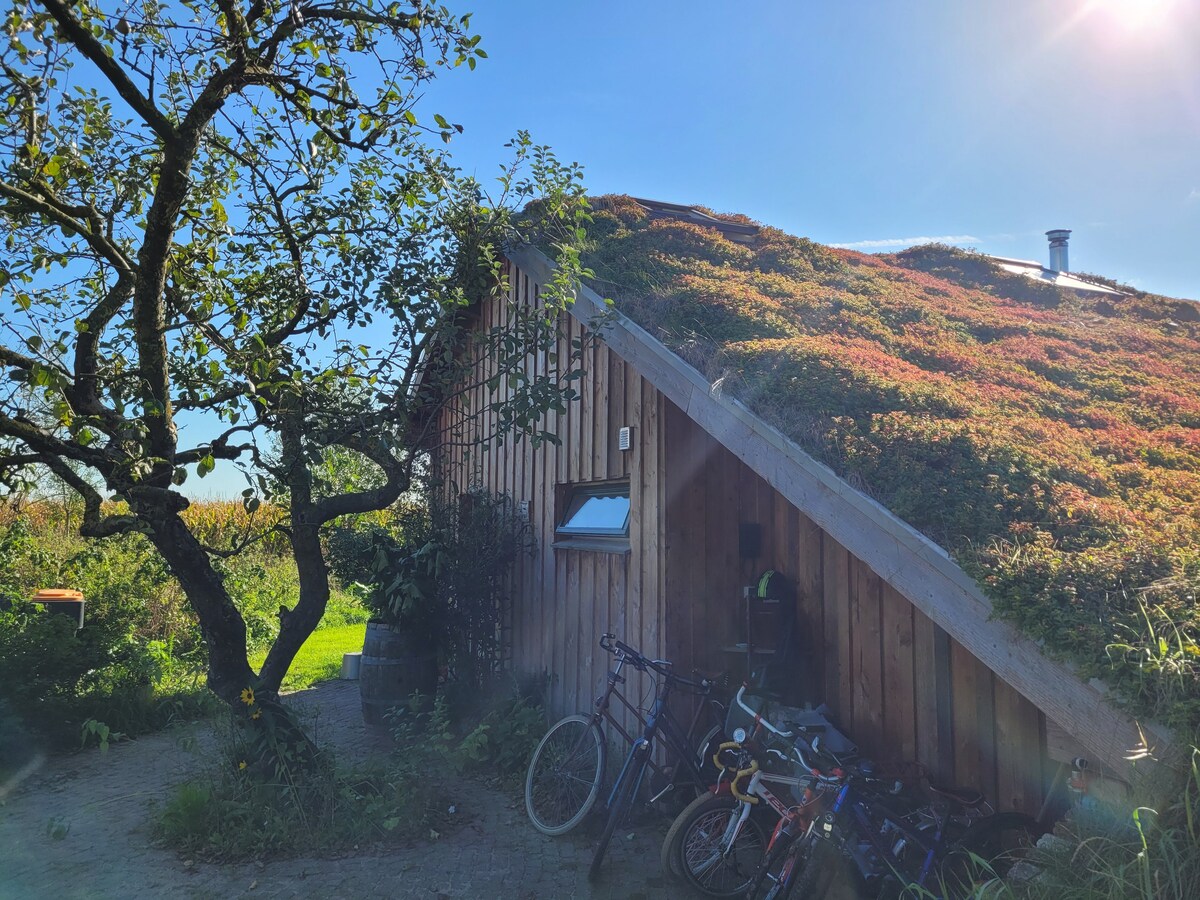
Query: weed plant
491	740
234	810
1103	853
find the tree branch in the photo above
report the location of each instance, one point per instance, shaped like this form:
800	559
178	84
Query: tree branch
41	442
397	483
85	395
87	43
81	219
249	541
95	524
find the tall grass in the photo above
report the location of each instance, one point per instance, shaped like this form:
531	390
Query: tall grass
139	660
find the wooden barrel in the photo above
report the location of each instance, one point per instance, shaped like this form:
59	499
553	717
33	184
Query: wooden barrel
393	666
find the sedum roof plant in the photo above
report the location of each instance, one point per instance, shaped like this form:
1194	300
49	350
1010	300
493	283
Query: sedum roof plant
1049	441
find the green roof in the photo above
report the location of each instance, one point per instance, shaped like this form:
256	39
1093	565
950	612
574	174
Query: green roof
1048	440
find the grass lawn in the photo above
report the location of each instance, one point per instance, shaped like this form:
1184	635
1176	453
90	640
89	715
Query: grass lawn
320	659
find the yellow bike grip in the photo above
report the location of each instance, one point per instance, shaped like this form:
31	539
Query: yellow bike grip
740	773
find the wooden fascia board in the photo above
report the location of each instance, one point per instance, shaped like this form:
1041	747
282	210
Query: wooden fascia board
917	567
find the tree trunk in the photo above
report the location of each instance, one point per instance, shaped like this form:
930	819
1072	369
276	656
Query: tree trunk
297	624
223	627
280	741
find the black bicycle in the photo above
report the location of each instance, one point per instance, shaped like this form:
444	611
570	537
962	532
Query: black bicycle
566	773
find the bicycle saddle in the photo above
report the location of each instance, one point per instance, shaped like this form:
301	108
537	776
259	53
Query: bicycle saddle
966	797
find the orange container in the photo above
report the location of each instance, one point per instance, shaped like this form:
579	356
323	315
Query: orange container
63	601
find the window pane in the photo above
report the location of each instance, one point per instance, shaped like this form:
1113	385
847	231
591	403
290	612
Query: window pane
597	509
599	513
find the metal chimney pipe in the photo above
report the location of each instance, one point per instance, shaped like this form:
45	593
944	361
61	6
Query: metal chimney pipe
1058	249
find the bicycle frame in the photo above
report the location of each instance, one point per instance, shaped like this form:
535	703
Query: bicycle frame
677	741
659	721
870	831
804	812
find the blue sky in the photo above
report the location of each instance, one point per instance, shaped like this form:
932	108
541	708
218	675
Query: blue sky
987	121
868	123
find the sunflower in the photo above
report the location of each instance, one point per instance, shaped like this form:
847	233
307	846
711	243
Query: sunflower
248	696
257	714
242	764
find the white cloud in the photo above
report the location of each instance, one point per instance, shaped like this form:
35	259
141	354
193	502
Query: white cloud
884	243
1194	196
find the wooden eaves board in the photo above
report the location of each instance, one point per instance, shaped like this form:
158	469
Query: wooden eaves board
910	562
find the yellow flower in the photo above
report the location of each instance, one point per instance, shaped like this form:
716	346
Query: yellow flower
248	696
242	764
257	714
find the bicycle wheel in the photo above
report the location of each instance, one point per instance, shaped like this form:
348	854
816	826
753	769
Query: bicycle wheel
564	775
987	851
704	761
668	856
777	871
617	812
711	863
812	879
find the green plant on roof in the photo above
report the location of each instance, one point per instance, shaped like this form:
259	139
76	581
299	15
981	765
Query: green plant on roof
1050	441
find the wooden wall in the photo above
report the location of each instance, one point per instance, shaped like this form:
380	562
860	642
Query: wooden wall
895	681
567	598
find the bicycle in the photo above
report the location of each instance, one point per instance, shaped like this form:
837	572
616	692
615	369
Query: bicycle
567	769
894	844
718	841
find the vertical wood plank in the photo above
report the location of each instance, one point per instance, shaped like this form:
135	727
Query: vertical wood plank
599	395
577	413
867	657
1020	752
899	712
617	465
966	723
838	671
810	595
986	725
925	696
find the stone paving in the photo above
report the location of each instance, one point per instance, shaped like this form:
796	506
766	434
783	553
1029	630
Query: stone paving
79	829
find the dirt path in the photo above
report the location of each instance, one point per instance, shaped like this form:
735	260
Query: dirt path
80	828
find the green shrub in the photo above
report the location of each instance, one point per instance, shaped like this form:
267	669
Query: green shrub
135	664
492	737
236	811
503	742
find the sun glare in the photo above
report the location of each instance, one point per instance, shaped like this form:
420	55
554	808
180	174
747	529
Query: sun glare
1136	15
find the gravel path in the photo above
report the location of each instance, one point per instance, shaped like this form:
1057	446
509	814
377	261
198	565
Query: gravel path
80	828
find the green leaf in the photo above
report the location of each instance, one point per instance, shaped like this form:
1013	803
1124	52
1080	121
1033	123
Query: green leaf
410	117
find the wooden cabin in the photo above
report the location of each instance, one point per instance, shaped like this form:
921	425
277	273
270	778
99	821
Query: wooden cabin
894	636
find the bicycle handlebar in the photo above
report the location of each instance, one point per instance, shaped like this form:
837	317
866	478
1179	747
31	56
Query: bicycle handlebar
613	645
758	716
738	773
